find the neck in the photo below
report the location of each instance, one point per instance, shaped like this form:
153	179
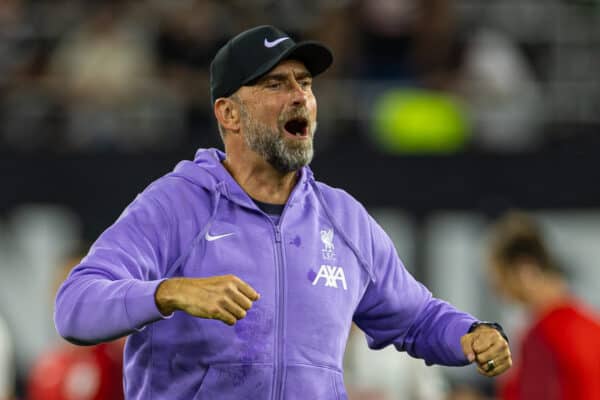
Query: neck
259	179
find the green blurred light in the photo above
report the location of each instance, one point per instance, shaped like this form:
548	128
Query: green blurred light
419	121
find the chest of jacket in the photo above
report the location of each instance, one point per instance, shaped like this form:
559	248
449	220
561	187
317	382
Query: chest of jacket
309	279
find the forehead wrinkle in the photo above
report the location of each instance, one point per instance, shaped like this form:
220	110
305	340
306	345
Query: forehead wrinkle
282	76
280	73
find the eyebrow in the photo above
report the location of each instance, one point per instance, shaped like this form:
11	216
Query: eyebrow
282	77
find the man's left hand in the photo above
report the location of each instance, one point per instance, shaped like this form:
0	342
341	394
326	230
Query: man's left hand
486	346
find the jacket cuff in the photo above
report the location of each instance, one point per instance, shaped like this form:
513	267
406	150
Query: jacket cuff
140	304
457	331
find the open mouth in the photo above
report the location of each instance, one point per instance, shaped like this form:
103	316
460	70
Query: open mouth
297	127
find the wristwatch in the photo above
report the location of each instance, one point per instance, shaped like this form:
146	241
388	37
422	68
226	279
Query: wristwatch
494	325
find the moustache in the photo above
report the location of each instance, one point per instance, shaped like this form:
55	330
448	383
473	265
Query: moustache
295	114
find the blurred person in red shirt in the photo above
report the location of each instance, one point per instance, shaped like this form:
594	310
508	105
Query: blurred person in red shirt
78	373
69	372
559	355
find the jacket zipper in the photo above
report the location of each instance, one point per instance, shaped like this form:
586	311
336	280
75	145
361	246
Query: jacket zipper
280	267
278	370
279	366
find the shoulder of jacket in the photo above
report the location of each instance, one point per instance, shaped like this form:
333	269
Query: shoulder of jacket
174	183
342	204
172	193
337	195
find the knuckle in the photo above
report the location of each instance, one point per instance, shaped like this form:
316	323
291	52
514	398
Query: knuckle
229	288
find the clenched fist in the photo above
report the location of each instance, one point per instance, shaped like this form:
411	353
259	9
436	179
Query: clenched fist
486	346
226	298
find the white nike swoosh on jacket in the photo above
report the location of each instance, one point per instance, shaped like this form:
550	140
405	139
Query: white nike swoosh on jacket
210	238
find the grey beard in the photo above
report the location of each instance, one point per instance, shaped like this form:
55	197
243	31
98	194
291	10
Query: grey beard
271	145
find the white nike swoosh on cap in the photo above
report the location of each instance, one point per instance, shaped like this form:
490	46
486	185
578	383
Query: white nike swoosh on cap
274	42
210	238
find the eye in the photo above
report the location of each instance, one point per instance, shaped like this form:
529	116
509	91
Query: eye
306	83
273	85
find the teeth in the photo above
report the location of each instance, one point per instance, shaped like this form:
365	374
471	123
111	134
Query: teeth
296	127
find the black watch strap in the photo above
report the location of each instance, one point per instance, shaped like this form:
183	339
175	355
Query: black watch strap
494	325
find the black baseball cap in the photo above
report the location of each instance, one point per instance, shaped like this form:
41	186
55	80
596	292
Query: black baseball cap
253	53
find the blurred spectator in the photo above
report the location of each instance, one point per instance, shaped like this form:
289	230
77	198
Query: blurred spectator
559	355
337	118
31	115
387	374
132	76
412	45
68	372
502	93
104	72
482	72
21	111
388	38
405	40
189	33
7	366
17	38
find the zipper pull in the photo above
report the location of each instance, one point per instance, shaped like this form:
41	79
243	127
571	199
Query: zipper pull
277	234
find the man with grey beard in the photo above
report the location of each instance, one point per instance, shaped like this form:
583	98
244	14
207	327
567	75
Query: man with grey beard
271	144
238	275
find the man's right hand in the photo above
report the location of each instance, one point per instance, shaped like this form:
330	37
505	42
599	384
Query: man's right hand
226	298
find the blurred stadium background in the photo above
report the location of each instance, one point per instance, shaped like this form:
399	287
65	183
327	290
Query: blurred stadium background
437	115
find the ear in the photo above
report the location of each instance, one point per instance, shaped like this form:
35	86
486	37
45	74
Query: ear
227	113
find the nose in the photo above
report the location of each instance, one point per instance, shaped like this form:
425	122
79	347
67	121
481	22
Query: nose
299	95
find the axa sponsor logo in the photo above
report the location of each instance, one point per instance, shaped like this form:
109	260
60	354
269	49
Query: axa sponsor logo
331	276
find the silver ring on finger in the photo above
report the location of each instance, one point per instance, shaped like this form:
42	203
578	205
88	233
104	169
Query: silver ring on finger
490	366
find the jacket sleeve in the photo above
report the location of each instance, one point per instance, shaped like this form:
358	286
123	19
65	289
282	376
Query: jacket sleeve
397	309
111	292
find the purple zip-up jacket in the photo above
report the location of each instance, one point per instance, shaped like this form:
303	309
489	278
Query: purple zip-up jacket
325	264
